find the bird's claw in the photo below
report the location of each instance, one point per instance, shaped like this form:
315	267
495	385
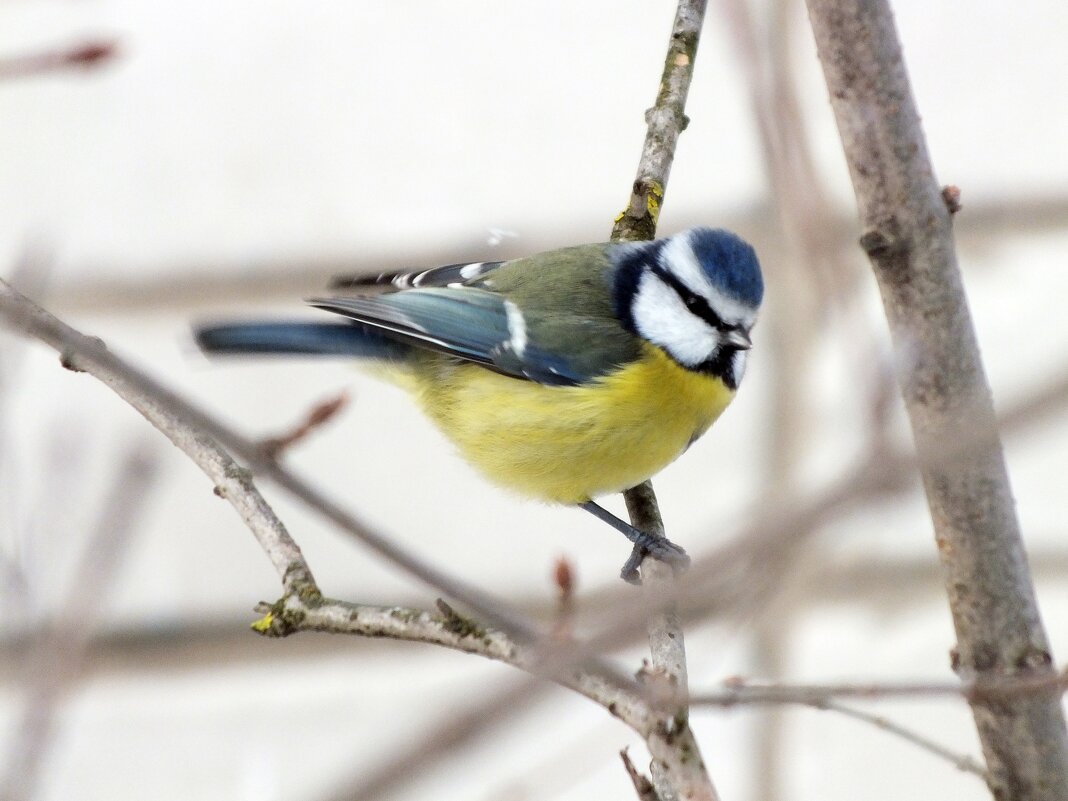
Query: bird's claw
658	548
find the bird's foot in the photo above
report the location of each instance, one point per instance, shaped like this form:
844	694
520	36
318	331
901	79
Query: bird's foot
644	545
658	548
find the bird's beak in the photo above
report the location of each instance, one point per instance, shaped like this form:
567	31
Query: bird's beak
739	338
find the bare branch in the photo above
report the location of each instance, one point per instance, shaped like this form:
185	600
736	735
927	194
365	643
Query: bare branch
303	607
293	614
192	430
451	630
678	771
908	237
667	120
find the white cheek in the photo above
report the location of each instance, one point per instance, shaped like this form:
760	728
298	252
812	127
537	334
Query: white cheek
662	318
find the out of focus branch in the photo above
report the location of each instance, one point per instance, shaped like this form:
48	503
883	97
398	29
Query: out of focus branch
89	54
909	241
56	656
630	705
180	285
738	692
735	578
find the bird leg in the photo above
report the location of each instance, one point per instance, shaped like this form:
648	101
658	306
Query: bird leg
644	544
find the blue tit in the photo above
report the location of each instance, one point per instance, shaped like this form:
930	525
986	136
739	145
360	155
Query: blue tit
564	376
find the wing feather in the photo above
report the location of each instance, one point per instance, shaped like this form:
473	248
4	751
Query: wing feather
468	323
448	275
551	322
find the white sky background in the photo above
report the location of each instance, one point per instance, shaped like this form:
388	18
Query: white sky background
229	136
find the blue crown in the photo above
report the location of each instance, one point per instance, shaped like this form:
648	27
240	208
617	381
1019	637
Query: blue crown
730	263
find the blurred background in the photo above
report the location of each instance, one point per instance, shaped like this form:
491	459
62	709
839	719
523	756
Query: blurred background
226	159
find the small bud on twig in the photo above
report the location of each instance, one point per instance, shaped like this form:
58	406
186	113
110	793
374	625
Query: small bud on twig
951	197
319	414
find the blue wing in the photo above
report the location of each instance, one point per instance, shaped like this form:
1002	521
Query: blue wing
466	322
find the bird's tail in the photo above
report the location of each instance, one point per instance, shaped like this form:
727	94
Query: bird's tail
300	338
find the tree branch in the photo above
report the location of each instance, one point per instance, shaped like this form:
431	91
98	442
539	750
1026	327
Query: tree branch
294	614
302	607
678	771
667	120
908	237
210	443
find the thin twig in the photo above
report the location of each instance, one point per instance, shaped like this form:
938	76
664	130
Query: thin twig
318	415
962	762
737	692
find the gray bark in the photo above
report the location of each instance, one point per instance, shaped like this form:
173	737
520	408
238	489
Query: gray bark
909	239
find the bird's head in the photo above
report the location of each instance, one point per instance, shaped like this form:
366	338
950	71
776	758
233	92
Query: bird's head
695	295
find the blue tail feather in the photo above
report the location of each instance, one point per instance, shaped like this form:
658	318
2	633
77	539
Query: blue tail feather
300	337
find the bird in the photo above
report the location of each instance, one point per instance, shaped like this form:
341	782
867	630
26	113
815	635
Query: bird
564	376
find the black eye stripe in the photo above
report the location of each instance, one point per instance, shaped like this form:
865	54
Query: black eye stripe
694	302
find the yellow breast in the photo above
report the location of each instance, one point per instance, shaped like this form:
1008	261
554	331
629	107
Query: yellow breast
570	444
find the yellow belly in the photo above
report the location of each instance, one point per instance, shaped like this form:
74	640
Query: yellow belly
570	444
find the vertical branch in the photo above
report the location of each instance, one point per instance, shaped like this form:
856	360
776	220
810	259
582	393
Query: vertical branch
807	268
908	237
667	120
674	778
